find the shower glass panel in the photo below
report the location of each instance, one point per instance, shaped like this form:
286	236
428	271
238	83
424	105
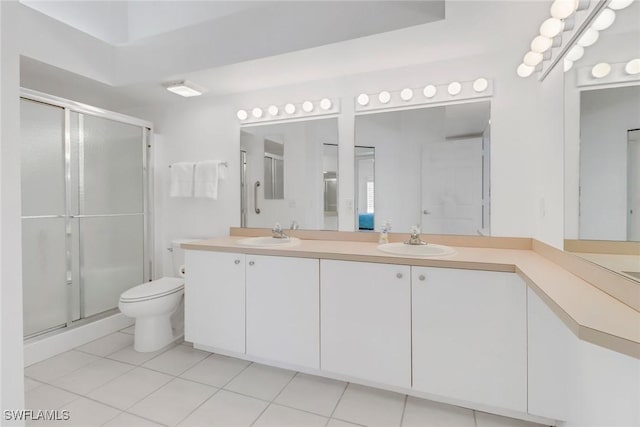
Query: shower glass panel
84	213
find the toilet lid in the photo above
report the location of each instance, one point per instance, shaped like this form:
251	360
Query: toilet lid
153	289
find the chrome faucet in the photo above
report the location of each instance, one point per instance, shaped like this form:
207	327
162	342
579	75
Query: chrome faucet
414	238
294	225
278	232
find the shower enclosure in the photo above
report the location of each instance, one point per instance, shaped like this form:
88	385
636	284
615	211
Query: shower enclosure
85	210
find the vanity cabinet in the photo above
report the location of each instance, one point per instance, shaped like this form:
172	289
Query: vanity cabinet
282	310
366	321
215	300
470	336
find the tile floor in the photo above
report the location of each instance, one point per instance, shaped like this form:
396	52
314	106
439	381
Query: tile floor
106	383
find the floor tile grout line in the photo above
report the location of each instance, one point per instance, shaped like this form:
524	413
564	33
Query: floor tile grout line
404	409
198	407
344	390
285	386
475	420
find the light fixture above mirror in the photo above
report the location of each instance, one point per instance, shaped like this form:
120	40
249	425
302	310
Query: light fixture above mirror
304	109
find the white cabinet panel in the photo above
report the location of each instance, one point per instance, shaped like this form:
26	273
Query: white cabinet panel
366	321
282	309
215	299
469	336
551	352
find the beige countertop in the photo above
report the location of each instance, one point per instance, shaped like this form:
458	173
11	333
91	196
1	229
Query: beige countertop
590	313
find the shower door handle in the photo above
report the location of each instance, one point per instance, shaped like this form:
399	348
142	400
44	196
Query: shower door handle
255	196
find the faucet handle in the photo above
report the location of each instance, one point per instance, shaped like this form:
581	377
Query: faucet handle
277	228
415	230
294	225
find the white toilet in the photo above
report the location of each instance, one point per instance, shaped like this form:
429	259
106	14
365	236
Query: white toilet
152	304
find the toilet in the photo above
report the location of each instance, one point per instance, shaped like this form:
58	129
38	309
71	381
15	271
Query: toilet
152	305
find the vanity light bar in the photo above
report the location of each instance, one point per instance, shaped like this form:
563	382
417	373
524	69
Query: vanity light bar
428	94
289	111
606	73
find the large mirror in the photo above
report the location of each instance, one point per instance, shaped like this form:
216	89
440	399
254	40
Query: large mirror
427	167
289	175
602	151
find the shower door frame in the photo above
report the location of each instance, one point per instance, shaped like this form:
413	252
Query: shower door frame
147	167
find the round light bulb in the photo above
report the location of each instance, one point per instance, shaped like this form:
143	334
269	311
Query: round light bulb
307	106
326	104
619	4
562	9
242	115
257	113
525	70
532	58
429	91
541	44
588	38
551	27
575	53
273	110
384	97
604	20
633	67
363	99
480	85
601	70
290	108
406	94
567	65
454	88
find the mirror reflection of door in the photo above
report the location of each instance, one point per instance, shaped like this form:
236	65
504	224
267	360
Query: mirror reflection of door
365	182
330	185
273	169
633	185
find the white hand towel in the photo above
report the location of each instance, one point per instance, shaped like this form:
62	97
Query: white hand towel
182	175
207	175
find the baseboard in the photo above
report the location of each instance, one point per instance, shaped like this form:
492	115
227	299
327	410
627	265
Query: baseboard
42	348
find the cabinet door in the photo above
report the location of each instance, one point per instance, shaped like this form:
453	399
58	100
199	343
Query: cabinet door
470	336
366	321
214	299
282	309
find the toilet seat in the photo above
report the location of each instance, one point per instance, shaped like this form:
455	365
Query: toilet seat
152	290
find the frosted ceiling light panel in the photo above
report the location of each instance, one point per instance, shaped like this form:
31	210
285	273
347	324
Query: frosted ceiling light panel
633	67
575	53
601	70
604	20
326	104
480	85
454	88
273	110
532	58
429	91
551	27
257	113
290	108
406	94
562	9
525	70
588	38
242	115
384	97
184	88
363	99
619	4
541	44
307	106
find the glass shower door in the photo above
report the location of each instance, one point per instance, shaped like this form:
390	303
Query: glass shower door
44	233
111	163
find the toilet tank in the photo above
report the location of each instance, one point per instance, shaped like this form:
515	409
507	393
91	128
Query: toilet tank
177	255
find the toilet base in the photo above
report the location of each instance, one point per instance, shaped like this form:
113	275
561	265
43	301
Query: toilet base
152	333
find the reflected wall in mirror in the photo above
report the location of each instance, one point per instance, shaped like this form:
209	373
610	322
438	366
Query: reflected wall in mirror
432	169
289	174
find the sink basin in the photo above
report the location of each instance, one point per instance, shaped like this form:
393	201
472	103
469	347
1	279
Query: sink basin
269	242
428	250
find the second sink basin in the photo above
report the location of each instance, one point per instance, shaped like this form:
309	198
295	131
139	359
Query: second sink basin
268	241
428	250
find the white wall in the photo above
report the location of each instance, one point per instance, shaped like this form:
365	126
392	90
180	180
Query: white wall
11	355
606	116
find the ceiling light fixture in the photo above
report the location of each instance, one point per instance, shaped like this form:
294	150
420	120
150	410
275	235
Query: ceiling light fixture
184	88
